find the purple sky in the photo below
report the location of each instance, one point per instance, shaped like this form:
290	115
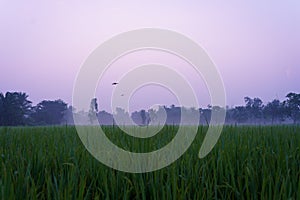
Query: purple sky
254	44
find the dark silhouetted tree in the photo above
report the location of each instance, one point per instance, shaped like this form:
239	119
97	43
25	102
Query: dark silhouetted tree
240	114
49	112
274	111
254	108
257	108
292	105
14	109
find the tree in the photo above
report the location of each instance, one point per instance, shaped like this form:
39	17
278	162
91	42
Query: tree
274	110
68	115
205	115
173	114
49	112
257	108
248	102
1	109
93	110
152	116
105	118
240	114
140	117
122	117
143	117
14	109
292	105
254	108
157	116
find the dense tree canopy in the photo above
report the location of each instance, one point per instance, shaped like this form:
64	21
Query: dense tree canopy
49	112
14	109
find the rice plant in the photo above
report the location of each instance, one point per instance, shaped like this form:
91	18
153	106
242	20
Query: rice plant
248	162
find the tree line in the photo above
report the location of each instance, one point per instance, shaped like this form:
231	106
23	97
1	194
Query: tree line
17	110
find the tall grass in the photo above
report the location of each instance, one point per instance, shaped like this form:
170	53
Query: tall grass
247	163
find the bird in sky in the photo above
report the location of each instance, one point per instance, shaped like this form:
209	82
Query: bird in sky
115	83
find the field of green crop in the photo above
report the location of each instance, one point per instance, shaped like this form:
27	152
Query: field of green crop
247	163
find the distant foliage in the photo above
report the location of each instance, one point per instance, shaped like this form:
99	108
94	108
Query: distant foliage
17	110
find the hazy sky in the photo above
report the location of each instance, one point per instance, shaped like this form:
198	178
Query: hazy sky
255	44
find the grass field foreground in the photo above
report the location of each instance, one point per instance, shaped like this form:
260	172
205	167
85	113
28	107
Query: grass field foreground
248	162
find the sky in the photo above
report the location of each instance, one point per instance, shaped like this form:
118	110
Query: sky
254	44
